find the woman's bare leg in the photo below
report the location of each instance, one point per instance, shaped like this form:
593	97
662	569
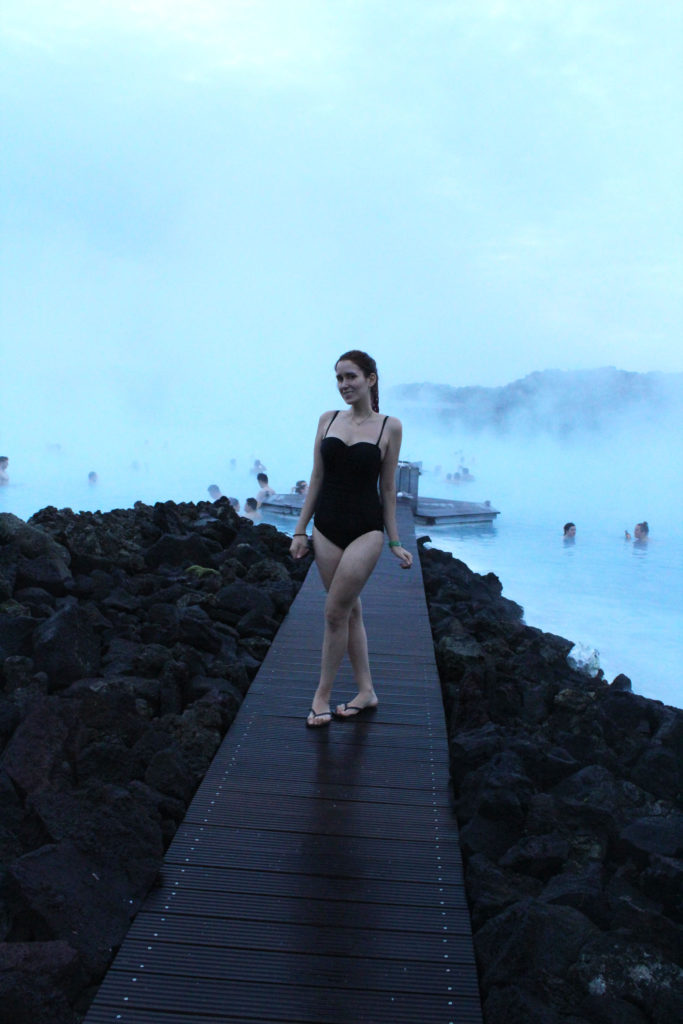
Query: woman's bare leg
360	662
344	574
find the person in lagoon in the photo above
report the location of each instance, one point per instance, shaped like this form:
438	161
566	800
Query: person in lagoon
251	510
92	477
214	492
265	490
569	533
354	448
4	476
641	533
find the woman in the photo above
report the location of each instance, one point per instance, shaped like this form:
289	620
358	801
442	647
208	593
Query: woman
569	533
641	534
353	449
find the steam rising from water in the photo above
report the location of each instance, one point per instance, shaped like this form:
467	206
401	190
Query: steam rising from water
604	480
623	599
152	445
602	483
616	464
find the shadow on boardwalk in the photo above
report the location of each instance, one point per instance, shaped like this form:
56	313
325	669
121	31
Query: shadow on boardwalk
317	875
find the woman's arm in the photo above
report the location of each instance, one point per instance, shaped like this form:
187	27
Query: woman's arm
299	546
387	486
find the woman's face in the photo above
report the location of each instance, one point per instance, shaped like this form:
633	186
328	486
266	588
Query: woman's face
351	381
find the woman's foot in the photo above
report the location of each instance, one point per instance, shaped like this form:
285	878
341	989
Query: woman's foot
357	705
316	719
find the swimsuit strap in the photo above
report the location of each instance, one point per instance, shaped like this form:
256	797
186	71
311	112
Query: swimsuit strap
330	424
381	431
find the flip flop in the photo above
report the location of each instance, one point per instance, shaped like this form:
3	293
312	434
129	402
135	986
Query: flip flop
318	714
357	711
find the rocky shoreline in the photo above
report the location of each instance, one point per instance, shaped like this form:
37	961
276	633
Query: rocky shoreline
127	642
568	797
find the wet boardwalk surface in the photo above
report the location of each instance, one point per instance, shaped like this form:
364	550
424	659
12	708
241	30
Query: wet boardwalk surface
317	875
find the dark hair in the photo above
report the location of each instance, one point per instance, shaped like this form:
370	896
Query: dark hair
568	526
251	503
261	476
367	365
644	528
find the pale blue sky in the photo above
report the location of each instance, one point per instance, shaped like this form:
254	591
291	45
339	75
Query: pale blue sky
206	202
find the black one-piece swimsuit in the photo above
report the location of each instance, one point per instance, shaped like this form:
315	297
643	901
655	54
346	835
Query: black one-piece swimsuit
348	504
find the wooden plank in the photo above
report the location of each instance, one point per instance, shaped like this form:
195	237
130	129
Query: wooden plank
391	975
241	880
198	1000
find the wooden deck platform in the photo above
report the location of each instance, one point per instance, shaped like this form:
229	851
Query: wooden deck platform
435	511
427	511
317	875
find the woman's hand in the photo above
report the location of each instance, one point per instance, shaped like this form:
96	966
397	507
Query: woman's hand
404	556
299	547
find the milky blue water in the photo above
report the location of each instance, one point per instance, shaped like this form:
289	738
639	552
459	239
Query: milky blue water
624	600
621	598
602	592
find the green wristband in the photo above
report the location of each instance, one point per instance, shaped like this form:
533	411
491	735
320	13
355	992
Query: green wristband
395	544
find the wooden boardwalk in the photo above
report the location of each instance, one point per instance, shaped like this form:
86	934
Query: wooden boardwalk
317	875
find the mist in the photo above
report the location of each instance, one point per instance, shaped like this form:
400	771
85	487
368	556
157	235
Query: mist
604	593
172	446
608	469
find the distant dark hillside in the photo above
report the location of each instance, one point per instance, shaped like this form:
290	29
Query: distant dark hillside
561	403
